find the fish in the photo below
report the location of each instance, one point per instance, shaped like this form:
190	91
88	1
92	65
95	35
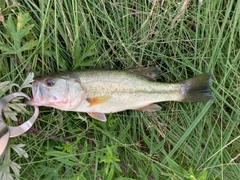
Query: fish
102	91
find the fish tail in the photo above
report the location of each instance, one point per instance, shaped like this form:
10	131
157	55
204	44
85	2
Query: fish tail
197	89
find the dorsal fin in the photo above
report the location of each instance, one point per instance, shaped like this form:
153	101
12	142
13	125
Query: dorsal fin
149	72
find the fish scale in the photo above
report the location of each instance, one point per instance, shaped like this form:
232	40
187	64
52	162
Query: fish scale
97	92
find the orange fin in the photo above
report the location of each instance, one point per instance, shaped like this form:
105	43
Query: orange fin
97	100
98	116
150	108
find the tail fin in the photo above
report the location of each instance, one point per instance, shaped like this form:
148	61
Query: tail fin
197	89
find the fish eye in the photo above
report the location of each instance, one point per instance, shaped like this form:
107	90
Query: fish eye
50	82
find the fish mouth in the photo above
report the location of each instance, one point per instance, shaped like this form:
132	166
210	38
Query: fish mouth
39	93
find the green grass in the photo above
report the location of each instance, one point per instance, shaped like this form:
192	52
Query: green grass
182	141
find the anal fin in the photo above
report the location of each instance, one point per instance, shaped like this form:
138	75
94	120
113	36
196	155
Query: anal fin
150	108
98	116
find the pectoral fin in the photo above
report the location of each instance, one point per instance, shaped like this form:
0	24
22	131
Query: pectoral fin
97	100
98	116
150	108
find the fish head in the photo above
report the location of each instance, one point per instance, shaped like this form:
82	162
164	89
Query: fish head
62	92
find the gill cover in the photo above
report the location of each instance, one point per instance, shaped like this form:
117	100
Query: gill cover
63	93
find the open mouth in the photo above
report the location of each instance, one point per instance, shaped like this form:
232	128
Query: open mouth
39	95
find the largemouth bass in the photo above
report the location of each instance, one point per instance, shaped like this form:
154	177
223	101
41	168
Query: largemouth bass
98	92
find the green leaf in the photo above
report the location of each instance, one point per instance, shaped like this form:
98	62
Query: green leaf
22	20
84	58
18	29
124	178
110	173
116	165
191	174
7	50
109	157
146	140
89	62
89	51
142	172
178	170
63	157
24	31
29	45
155	172
10	26
203	176
2	6
77	50
157	147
